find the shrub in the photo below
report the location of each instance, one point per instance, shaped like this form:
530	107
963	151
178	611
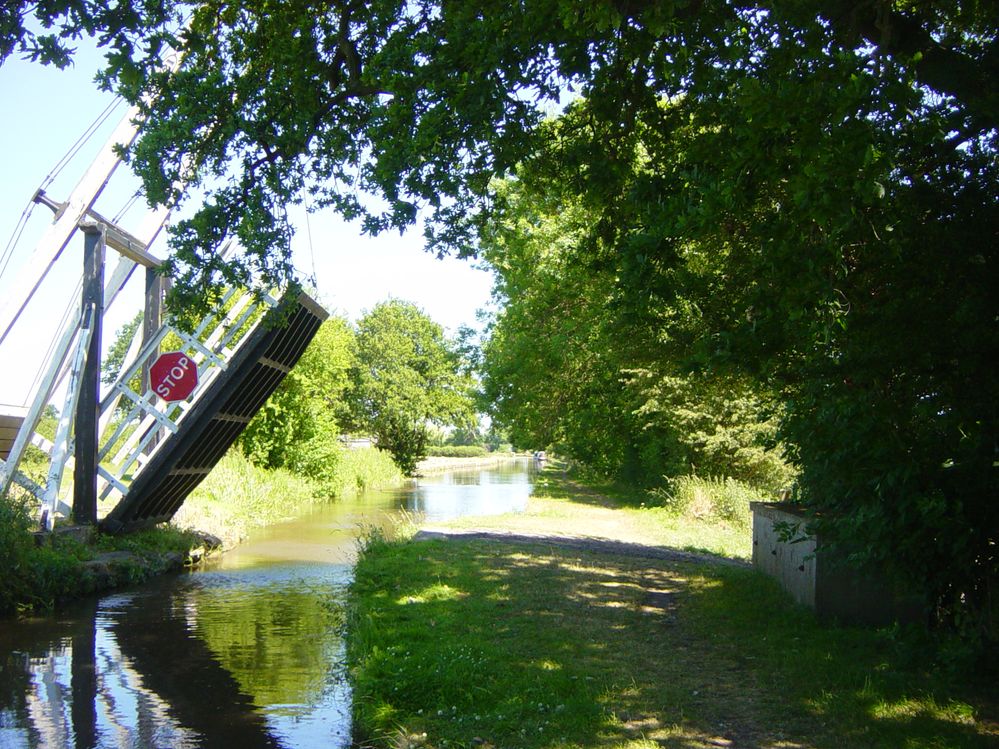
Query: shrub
457	451
717	498
15	551
35	577
358	470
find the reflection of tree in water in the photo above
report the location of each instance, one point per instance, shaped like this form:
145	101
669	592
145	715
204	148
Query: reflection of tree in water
15	680
466	479
184	669
278	642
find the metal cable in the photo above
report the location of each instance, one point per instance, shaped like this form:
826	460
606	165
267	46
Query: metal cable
81	141
15	236
18	231
46	361
127	207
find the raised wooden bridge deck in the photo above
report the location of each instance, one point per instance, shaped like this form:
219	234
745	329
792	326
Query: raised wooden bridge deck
11	418
220	415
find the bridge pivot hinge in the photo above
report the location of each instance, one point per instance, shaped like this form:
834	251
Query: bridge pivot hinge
43	199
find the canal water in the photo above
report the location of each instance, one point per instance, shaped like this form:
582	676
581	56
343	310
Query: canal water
247	654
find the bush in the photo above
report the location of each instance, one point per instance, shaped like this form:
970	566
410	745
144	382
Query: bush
457	451
717	498
358	470
15	550
36	577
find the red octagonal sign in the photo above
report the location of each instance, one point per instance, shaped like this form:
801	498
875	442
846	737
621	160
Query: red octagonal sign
173	376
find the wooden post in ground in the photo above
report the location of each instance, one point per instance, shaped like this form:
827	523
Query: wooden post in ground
89	403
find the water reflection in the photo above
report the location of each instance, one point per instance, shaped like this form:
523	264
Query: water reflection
460	493
218	660
247	655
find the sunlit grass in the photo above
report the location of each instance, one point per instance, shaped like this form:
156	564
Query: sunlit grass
559	507
436	592
709	536
589	650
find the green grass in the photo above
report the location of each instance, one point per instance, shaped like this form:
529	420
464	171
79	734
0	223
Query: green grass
238	496
562	506
460	644
38	577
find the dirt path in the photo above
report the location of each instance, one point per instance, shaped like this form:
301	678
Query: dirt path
571	515
579	543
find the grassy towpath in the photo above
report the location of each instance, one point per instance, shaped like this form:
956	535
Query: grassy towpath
566	509
574	625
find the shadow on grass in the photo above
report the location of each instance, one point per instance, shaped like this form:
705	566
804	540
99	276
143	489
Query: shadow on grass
591	545
491	643
554	483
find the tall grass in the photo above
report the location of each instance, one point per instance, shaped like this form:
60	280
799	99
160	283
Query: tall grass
238	496
363	469
701	514
15	551
714	498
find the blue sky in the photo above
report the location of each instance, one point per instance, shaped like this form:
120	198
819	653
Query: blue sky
46	110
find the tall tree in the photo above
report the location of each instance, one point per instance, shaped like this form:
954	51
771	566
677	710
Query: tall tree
422	102
567	365
836	161
407	376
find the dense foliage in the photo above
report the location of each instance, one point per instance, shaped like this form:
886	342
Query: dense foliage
300	425
457	451
567	367
813	186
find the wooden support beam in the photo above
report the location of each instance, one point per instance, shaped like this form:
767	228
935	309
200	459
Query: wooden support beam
152	320
127	244
89	403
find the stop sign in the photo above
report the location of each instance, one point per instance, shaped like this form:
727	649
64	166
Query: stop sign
173	376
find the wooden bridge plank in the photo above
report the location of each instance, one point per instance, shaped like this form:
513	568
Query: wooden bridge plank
11	418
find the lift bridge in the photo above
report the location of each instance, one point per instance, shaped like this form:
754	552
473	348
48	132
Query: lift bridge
134	457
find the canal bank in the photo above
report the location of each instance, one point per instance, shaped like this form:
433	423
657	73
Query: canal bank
246	652
42	571
572	625
45	570
440	464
